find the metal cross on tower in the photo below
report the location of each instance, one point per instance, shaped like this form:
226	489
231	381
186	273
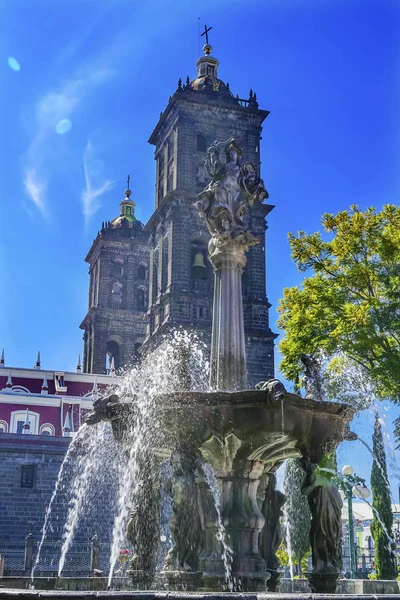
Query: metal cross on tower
205	32
129	178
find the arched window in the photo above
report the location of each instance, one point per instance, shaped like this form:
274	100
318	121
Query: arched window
140	300
117	270
113	352
47	429
3	426
116	294
199	268
201	143
141	272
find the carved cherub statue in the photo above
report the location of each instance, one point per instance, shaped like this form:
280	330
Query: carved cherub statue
233	189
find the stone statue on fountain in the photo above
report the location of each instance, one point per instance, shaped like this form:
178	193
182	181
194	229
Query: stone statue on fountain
187	522
225	201
224	204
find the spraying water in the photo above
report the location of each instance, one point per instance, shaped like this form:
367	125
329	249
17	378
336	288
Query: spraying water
227	554
95	476
74	445
176	365
288	540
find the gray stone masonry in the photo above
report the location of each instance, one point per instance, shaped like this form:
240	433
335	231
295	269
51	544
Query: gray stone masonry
22	509
180	299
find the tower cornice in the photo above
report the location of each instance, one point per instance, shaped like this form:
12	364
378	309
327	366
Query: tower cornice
188	96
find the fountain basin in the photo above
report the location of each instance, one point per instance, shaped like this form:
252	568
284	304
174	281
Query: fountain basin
270	428
245	436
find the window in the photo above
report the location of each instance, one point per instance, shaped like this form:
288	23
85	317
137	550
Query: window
140	300
141	273
3	427
199	268
117	270
201	143
18	418
155	279
113	352
27	476
245	283
199	312
116	295
47	429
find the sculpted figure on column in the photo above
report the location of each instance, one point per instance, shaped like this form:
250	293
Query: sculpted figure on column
233	189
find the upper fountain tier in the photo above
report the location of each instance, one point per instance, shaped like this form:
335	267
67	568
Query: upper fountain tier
267	425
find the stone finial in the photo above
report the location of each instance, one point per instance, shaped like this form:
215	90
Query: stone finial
45	387
37	365
112	366
9	380
187	80
68	422
2	361
179	83
26	428
78	365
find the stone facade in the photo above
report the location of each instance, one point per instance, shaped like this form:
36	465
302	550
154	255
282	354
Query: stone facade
23	504
114	327
173	244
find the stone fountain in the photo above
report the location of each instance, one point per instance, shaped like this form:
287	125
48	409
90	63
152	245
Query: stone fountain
244	435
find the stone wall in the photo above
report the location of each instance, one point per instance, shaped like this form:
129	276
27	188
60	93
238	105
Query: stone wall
24	499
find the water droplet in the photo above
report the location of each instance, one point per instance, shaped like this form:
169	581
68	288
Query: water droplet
63	126
13	63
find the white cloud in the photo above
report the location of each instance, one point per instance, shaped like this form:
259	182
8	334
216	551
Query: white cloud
36	190
54	106
59	104
90	195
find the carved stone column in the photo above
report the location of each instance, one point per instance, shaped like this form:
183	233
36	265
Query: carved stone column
236	481
228	352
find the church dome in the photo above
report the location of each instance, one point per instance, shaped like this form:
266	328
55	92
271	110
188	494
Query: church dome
126	218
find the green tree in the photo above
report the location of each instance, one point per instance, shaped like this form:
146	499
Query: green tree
350	301
297	511
381	528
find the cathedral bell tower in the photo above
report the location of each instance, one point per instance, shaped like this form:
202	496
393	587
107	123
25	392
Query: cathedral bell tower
181	279
114	326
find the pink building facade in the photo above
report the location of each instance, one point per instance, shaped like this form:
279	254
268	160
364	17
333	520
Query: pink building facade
44	402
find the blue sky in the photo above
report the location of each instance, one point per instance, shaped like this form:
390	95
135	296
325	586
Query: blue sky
328	70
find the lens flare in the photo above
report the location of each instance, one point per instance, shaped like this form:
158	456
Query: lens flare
63	126
13	63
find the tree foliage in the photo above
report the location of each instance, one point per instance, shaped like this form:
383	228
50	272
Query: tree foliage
381	528
297	511
350	301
